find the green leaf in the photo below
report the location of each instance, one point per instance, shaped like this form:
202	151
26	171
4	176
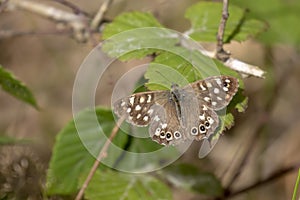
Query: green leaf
76	147
149	155
183	66
189	177
138	43
282	18
205	19
15	87
109	185
129	21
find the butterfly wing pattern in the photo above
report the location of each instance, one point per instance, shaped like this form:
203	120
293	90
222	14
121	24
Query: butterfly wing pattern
183	113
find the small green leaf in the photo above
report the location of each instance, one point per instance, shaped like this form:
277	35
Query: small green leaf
74	152
189	177
109	185
15	87
227	121
205	18
239	102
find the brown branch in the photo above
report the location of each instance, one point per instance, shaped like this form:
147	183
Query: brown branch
275	175
264	116
10	34
221	54
72	6
78	23
3	5
99	16
102	154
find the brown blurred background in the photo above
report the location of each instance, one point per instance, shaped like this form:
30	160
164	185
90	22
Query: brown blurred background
48	65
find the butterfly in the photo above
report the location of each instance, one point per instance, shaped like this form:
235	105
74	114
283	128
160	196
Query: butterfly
182	113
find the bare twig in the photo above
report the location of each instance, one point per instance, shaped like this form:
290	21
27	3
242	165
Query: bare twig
237	65
3	5
247	154
264	119
99	16
75	8
221	54
102	154
11	34
275	175
78	23
244	68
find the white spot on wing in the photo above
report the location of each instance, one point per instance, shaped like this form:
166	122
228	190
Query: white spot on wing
219	81
138	116
123	103
214	103
219	98
138	107
156	118
146	118
157	132
227	80
210	120
216	90
163	126
209	84
150	111
131	100
149	98
225	89
202	87
207	99
202	117
128	110
142	99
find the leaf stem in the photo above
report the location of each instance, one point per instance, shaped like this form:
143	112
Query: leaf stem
102	154
296	186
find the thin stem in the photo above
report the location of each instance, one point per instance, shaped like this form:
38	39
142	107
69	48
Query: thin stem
3	5
296	186
11	34
99	16
72	6
102	154
221	54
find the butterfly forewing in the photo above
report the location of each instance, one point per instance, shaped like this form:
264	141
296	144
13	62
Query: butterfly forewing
216	92
138	108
